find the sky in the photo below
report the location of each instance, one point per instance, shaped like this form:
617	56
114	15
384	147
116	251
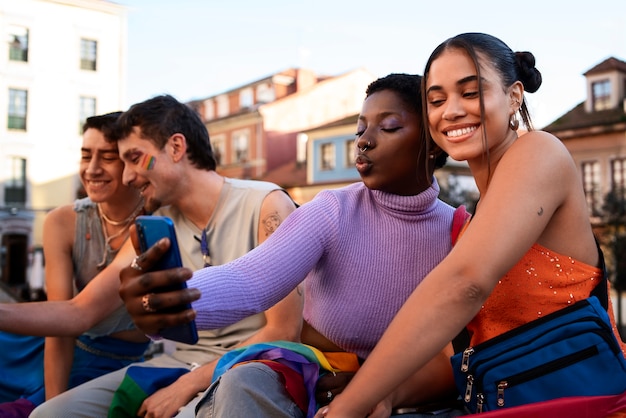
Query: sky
193	49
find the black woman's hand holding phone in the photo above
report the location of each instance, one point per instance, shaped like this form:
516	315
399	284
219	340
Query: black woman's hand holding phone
154	286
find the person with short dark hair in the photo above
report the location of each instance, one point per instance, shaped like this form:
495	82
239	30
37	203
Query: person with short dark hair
79	241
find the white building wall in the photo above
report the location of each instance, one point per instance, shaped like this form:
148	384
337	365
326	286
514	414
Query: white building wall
55	82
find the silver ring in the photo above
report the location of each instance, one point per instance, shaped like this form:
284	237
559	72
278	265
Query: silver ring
145	303
135	265
366	147
329	395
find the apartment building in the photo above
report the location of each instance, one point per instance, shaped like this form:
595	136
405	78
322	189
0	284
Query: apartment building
595	133
61	61
254	128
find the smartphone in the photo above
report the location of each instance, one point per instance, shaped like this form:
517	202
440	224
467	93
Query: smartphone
151	229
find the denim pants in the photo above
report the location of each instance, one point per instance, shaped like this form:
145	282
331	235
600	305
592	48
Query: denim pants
255	390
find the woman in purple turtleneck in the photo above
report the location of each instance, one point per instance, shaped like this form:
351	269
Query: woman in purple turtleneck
361	250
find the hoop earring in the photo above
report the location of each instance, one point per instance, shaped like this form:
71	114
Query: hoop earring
513	123
366	147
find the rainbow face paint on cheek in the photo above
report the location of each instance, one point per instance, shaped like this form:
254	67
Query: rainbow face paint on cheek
148	162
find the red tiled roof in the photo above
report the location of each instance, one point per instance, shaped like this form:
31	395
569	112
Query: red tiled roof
578	118
291	174
609	64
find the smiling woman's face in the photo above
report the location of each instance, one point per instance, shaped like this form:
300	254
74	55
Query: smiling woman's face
453	103
393	131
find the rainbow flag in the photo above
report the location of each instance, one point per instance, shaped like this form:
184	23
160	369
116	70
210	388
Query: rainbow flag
307	361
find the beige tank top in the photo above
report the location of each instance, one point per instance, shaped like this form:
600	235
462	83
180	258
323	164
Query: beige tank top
231	232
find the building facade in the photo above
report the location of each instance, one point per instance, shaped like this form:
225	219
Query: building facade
62	61
254	128
595	134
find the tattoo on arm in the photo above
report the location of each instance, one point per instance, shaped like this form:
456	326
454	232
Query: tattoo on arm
271	222
540	211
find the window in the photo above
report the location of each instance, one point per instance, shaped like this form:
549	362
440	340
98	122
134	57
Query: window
209	109
240	146
265	93
328	157
88	54
618	179
222	105
18	103
350	153
591	185
15	185
86	108
601	91
18	43
218	143
246	98
301	145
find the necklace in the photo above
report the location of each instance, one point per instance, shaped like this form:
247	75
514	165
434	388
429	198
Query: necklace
124	221
108	239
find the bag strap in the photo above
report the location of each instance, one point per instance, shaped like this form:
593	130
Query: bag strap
460	217
459	220
601	291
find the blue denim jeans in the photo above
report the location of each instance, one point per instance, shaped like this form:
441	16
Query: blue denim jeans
255	390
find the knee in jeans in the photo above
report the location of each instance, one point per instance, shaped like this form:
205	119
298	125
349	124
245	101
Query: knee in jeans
246	374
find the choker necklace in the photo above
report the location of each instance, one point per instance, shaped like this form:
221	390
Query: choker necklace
122	222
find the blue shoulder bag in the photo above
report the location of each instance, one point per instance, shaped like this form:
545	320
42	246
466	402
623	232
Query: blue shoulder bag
571	352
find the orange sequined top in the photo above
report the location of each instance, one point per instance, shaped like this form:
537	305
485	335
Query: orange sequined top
520	296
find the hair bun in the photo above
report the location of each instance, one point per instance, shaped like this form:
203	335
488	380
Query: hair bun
528	74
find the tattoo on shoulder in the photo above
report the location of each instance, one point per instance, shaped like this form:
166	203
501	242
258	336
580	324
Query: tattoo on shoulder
271	222
540	211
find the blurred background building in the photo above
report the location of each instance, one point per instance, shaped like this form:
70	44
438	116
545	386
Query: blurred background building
61	61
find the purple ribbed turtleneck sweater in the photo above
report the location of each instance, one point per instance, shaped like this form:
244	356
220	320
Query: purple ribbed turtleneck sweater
361	251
